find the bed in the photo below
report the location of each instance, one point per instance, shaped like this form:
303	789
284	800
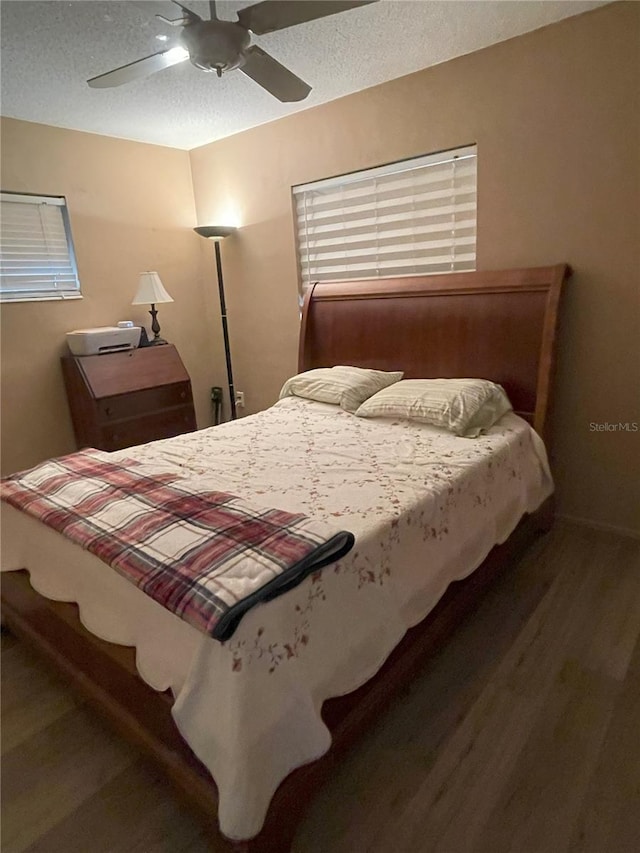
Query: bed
499	326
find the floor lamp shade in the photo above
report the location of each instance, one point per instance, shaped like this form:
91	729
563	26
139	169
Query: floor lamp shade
215	232
218	233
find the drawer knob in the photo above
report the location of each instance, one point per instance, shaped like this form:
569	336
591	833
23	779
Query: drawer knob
107	411
183	394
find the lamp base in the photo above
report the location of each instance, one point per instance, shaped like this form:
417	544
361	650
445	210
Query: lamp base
157	342
155	328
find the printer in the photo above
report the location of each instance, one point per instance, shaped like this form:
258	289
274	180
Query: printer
104	339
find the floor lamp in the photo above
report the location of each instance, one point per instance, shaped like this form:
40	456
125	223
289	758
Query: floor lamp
217	233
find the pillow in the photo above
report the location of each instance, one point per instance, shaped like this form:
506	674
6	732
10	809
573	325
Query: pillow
347	387
465	407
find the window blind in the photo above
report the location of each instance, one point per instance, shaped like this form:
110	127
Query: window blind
409	218
36	251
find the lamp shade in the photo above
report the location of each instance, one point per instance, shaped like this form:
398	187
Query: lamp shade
215	232
150	290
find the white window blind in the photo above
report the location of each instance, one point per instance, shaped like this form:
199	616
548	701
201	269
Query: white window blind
36	251
409	218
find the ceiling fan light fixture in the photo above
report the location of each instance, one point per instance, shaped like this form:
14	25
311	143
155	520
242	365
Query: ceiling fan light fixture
178	53
218	67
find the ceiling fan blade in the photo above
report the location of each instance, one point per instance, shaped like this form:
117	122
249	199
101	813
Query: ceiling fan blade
272	15
274	77
139	69
191	15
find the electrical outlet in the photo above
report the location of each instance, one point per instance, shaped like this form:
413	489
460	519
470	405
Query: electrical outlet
240	399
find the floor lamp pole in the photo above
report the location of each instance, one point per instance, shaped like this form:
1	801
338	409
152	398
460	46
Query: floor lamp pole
225	330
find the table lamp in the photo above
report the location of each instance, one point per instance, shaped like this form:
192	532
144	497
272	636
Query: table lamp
151	292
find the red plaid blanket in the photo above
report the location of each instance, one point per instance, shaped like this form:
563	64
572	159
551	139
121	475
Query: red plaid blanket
205	555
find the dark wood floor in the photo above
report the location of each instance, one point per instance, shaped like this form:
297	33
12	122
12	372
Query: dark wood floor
523	735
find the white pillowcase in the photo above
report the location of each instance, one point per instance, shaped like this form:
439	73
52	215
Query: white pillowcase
347	387
465	407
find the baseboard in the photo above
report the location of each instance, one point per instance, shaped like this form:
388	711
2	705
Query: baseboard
599	525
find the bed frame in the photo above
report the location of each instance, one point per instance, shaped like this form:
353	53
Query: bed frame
494	325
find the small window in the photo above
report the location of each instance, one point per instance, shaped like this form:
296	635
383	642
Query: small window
409	218
37	260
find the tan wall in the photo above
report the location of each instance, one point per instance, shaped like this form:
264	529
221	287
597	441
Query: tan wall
131	209
555	115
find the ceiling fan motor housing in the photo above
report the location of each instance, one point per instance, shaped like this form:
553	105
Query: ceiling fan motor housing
215	45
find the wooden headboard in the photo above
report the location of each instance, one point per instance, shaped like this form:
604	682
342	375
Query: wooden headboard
491	325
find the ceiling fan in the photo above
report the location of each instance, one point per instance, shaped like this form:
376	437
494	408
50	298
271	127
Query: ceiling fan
220	46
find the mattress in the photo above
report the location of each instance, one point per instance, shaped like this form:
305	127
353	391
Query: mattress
426	507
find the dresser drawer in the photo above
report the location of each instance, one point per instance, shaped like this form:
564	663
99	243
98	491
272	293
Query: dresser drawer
125	406
165	424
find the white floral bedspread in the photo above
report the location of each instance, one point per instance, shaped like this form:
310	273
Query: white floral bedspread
425	506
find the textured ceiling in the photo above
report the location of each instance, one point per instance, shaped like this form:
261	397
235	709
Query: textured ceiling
49	49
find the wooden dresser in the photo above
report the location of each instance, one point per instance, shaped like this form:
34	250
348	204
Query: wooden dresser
125	398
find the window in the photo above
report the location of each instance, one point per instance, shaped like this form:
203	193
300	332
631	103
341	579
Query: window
36	251
409	218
